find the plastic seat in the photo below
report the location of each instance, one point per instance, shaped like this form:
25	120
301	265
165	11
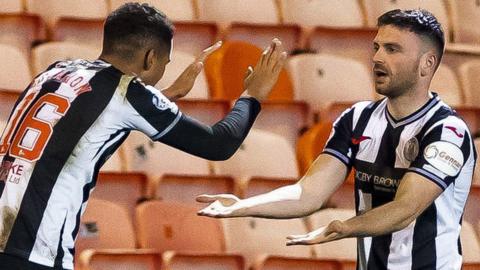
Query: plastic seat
176	10
262	154
471	115
471	266
184	188
250	11
51	10
446	84
15	75
316	81
48	53
115	259
287	263
7	101
226	68
253	237
286	119
470	80
206	111
105	225
470	243
124	189
21	30
356	43
180	261
343	13
464	15
375	8
80	31
203	33
311	144
334	111
262	34
155	159
174	226
11	6
260	185
471	213
345	249
179	62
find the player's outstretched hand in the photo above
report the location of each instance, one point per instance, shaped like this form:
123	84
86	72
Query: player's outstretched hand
261	79
334	231
221	206
184	83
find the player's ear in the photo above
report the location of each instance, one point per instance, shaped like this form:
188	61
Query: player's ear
149	59
428	62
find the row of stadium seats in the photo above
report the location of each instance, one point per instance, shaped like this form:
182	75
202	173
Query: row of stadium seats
456	16
174	229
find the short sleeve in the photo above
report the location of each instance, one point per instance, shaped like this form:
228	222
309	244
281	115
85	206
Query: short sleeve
154	114
339	142
443	151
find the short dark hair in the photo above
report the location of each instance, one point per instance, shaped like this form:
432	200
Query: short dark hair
418	21
134	25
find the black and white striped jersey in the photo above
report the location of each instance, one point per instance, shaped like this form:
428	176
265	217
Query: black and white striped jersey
64	126
433	142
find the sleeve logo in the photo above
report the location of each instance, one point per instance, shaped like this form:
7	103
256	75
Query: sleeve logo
445	157
160	103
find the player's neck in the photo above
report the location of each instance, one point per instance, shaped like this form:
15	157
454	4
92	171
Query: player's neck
120	64
404	105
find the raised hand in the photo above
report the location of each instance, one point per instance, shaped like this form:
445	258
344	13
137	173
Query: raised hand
184	83
261	79
334	231
221	206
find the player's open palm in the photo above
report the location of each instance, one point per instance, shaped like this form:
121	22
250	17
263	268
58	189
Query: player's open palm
261	79
222	205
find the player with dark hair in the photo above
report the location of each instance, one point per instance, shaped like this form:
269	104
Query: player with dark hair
74	115
413	159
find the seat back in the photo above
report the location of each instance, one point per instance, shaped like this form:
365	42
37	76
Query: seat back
311	144
470	243
11	6
470	80
176	10
446	84
173	261
250	11
286	263
16	74
464	15
21	30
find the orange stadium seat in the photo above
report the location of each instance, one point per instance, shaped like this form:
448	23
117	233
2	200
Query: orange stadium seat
21	31
79	30
261	34
470	243
203	33
16	74
375	8
346	13
176	10
356	43
469	76
184	188
476	174
445	83
46	54
249	11
226	68
316	80
105	225
11	6
253	237
471	213
261	154
288	263
180	261
286	119
206	111
464	15
123	189
174	226
471	116
51	10
311	144
155	159
260	185
115	259
179	61
345	249
334	111
471	266
7	101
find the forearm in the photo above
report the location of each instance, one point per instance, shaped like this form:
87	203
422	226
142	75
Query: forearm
220	141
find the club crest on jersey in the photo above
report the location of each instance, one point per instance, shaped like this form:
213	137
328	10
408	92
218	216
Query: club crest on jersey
410	151
445	157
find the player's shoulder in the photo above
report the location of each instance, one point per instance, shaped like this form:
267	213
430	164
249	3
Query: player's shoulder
361	106
447	122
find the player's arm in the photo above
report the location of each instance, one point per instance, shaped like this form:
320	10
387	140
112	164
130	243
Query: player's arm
325	175
415	193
